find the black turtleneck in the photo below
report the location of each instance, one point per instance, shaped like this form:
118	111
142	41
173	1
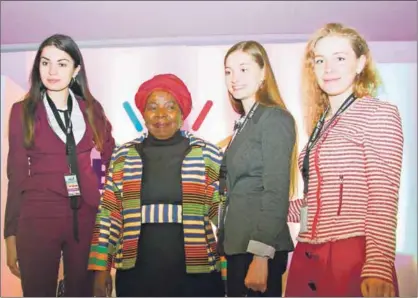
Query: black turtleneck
161	252
162	160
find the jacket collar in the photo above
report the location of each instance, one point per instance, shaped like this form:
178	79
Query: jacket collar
193	140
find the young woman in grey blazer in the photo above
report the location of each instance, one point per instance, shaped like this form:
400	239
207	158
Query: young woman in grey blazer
259	174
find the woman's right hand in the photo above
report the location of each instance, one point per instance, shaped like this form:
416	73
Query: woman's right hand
11	252
103	285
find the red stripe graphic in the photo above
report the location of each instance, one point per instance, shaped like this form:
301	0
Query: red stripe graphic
202	116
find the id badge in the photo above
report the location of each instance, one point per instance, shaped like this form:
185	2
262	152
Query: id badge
72	185
303	219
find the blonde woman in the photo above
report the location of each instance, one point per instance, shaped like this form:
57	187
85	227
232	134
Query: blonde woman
351	168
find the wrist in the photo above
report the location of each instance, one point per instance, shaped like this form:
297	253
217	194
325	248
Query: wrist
10	239
260	258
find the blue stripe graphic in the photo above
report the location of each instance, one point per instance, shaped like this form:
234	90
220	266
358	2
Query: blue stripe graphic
134	119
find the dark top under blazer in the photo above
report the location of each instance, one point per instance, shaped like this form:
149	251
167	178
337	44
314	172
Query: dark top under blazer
258	180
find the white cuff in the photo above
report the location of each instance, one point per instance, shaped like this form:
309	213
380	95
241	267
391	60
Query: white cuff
260	249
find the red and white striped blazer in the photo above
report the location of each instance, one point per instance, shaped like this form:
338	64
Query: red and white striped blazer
354	172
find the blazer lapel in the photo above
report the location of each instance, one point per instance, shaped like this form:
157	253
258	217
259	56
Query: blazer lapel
49	133
238	144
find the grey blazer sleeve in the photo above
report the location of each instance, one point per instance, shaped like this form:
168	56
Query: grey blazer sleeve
278	139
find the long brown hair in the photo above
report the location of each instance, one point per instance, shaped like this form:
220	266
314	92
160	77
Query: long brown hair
267	95
79	87
366	83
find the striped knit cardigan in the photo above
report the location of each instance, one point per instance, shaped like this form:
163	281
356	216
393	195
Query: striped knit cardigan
118	222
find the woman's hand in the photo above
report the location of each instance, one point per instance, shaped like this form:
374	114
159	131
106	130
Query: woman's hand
376	287
103	285
11	252
257	274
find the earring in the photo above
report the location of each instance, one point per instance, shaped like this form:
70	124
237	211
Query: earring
72	81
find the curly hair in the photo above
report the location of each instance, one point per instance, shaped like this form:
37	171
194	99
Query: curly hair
366	83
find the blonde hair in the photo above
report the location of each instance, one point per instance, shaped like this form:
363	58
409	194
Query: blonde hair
365	84
268	95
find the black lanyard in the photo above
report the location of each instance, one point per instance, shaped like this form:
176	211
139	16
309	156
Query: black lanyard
237	129
315	137
67	127
70	151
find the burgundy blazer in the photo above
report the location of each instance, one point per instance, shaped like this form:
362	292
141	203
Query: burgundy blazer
43	179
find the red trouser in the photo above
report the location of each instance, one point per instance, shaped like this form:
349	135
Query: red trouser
328	269
40	242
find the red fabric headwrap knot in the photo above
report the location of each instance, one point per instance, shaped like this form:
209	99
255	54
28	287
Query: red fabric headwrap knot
169	83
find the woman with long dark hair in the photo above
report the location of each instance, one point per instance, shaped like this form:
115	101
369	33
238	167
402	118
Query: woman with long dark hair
53	192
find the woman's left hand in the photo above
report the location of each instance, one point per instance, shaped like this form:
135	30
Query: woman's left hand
376	287
257	274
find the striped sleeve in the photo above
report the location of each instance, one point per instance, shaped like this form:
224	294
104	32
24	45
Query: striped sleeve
294	211
108	224
213	159
383	146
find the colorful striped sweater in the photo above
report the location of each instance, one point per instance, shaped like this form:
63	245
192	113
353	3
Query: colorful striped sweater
118	222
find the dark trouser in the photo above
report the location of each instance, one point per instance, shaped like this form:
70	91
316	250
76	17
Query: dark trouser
331	269
160	269
40	242
237	270
131	284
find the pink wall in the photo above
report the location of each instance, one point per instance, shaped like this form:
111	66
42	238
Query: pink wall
105	66
31	21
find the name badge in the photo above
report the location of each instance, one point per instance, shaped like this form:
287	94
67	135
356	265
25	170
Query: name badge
72	185
303	219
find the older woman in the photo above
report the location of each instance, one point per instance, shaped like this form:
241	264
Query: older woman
161	195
